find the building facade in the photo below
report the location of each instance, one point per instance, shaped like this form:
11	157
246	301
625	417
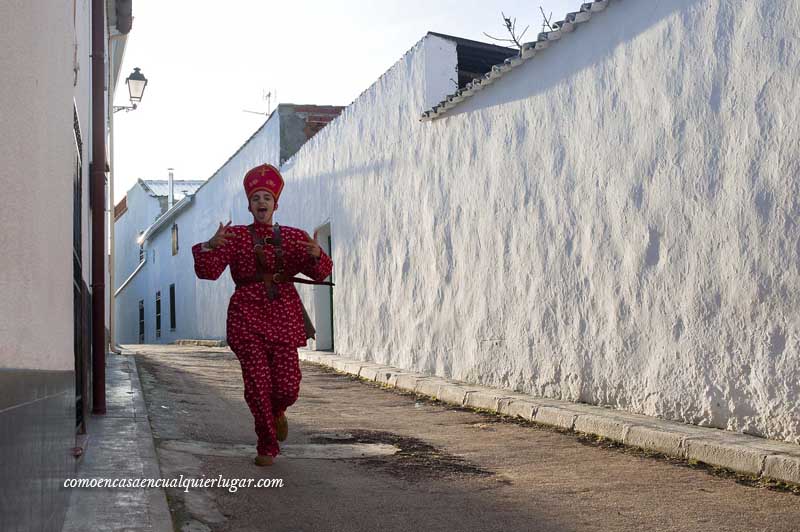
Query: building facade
158	297
46	105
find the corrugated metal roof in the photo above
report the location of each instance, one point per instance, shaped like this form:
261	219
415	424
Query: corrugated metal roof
160	187
529	50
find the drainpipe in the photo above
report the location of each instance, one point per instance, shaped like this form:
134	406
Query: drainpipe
97	178
112	314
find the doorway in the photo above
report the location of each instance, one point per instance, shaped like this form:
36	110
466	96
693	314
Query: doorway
323	298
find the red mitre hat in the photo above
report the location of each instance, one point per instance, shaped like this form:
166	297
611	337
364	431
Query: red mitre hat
264	177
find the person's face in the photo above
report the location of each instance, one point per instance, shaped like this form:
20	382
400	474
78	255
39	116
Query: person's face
262	205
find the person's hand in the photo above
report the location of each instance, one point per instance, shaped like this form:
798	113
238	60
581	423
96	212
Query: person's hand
312	246
221	237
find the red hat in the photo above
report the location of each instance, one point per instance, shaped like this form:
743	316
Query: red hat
264	177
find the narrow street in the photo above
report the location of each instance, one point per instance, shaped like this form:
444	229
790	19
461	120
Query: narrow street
450	469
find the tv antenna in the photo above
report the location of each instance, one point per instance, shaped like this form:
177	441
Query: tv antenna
267	96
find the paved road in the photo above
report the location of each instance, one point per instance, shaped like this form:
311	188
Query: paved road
454	470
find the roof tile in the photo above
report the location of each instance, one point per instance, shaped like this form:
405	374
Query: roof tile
529	50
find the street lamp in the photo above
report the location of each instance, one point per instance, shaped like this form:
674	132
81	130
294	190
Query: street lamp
136	84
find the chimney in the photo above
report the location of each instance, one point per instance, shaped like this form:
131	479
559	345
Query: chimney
171	197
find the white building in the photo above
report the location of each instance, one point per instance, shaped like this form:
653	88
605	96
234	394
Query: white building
610	218
158	297
50	110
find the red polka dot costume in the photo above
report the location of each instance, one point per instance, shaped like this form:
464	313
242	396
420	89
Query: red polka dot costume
264	331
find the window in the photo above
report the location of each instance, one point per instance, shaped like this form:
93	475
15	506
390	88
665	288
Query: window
158	314
172	307
141	321
141	247
174	239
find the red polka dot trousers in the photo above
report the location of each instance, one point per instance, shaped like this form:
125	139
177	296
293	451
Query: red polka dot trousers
271	375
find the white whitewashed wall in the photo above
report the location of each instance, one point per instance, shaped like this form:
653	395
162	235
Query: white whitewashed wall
37	157
143	210
614	222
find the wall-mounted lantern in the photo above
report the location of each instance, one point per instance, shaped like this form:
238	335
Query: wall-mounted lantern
136	84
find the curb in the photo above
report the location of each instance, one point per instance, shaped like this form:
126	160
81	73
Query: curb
768	459
202	343
158	507
120	445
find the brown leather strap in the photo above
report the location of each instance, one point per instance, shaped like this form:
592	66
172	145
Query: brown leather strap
263	275
277	243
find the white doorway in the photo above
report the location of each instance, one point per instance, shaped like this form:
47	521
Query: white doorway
323	298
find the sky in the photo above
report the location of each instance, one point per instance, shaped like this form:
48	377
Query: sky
209	62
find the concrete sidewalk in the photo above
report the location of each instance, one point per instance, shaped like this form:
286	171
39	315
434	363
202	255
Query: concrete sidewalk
739	452
119	446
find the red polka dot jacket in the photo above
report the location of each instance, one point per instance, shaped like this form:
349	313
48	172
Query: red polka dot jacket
279	321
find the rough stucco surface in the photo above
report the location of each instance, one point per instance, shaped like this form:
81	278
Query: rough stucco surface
614	222
37	163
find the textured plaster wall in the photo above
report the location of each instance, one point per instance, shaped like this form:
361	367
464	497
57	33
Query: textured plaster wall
614	222
349	175
441	69
36	156
292	134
